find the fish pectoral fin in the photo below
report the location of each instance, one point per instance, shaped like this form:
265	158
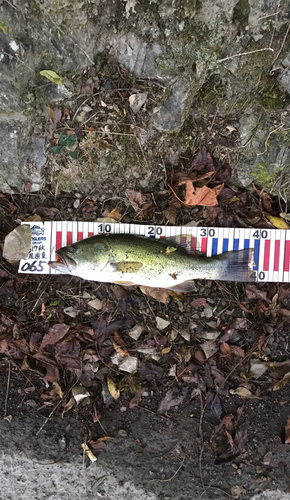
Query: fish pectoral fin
184	287
128	267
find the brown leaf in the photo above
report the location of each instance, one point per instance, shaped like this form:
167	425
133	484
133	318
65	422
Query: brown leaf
282	382
52	373
284	291
201	302
266	199
170	213
171	399
253	292
115	214
137	398
204	195
45	212
33	218
156	293
67	354
287	432
139	201
203	159
54	334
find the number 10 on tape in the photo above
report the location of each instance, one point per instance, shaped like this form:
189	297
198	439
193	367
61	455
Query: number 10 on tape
271	246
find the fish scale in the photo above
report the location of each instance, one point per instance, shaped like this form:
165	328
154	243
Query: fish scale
271	256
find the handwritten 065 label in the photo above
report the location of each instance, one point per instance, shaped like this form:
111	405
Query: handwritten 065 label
271	246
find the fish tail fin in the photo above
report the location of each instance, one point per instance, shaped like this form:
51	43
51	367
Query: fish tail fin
238	265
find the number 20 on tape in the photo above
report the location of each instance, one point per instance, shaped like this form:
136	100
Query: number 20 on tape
271	246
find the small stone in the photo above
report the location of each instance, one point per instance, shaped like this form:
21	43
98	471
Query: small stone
116	358
136	332
172	335
70	311
136	101
77	203
237	491
267	458
162	323
130	364
185	335
123	433
208	312
96	304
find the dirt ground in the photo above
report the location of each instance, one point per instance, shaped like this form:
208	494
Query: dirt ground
151	456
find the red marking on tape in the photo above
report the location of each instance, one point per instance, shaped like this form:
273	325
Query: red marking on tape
162	237
183	241
69	237
266	255
287	256
80	235
90	234
193	244
276	255
58	240
203	244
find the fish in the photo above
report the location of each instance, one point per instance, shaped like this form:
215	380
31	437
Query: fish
136	261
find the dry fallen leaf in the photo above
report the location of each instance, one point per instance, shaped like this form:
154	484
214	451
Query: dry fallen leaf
139	201
54	334
204	195
115	393
244	393
282	382
277	221
115	214
156	293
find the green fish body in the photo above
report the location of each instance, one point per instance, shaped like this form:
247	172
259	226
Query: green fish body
131	260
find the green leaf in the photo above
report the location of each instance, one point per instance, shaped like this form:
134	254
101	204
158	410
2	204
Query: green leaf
63	139
57	150
54	303
73	154
52	76
71	139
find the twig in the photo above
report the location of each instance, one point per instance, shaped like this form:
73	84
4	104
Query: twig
268	15
202	443
268	136
175	473
11	4
7	390
54	409
282	45
244	54
140	146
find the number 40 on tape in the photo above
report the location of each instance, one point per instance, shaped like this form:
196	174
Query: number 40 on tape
271	246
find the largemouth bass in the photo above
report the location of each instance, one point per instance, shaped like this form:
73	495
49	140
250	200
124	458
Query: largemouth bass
131	260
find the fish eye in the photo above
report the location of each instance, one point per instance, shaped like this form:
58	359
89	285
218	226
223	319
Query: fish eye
72	249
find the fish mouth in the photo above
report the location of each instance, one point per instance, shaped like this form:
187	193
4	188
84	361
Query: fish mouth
64	263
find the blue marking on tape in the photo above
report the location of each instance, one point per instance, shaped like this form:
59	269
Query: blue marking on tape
225	244
256	254
214	246
247	243
236	244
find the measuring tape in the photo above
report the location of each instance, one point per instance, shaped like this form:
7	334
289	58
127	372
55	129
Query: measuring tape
271	256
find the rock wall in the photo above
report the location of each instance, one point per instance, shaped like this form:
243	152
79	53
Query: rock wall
226	60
